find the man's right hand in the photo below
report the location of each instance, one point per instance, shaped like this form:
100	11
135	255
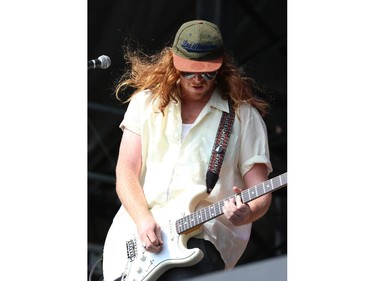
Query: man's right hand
150	234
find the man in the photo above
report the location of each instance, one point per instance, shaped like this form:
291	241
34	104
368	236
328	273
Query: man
169	130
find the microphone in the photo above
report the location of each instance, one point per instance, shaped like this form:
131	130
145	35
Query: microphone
102	62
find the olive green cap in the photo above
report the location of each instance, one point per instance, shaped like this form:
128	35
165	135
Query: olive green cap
198	47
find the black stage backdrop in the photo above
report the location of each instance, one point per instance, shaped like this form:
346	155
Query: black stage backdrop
255	31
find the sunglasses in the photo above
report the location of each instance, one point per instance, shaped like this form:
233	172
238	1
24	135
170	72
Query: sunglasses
205	75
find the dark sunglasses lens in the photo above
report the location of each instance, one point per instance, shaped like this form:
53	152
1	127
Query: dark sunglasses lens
188	75
204	75
209	75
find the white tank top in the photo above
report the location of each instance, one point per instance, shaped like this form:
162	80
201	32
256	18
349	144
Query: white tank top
185	130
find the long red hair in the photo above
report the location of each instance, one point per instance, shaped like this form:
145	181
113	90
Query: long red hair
158	74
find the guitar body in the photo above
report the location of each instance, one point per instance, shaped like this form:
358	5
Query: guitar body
124	257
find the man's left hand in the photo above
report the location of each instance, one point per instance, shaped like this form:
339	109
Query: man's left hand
235	210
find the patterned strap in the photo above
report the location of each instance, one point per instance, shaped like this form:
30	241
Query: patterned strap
219	148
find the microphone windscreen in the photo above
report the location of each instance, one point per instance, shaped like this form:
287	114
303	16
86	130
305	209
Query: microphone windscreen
105	61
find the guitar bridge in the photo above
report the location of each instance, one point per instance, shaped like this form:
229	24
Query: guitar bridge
131	249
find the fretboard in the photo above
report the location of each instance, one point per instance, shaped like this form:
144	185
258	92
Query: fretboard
203	215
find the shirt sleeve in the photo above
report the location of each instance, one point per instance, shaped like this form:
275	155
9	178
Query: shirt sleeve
132	116
254	140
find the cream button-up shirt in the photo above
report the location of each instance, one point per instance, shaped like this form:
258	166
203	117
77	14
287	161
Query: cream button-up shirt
172	164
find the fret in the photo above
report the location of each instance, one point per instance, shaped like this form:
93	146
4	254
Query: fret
264	190
283	176
246	195
198	217
194	220
207	214
190	225
191	221
242	198
201	215
182	225
178	226
259	190
277	182
213	211
202	211
187	218
221	206
280	180
267	186
252	193
186	223
212	214
216	208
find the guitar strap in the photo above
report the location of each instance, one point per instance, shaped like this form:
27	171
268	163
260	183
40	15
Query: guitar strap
219	148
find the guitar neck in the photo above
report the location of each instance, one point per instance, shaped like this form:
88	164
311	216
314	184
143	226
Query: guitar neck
197	218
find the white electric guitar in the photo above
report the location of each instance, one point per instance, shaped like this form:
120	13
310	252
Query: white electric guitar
124	258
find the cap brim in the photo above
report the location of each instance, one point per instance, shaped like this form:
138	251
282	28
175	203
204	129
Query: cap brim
187	65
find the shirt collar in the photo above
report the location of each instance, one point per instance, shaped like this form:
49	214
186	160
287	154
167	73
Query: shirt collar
217	101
